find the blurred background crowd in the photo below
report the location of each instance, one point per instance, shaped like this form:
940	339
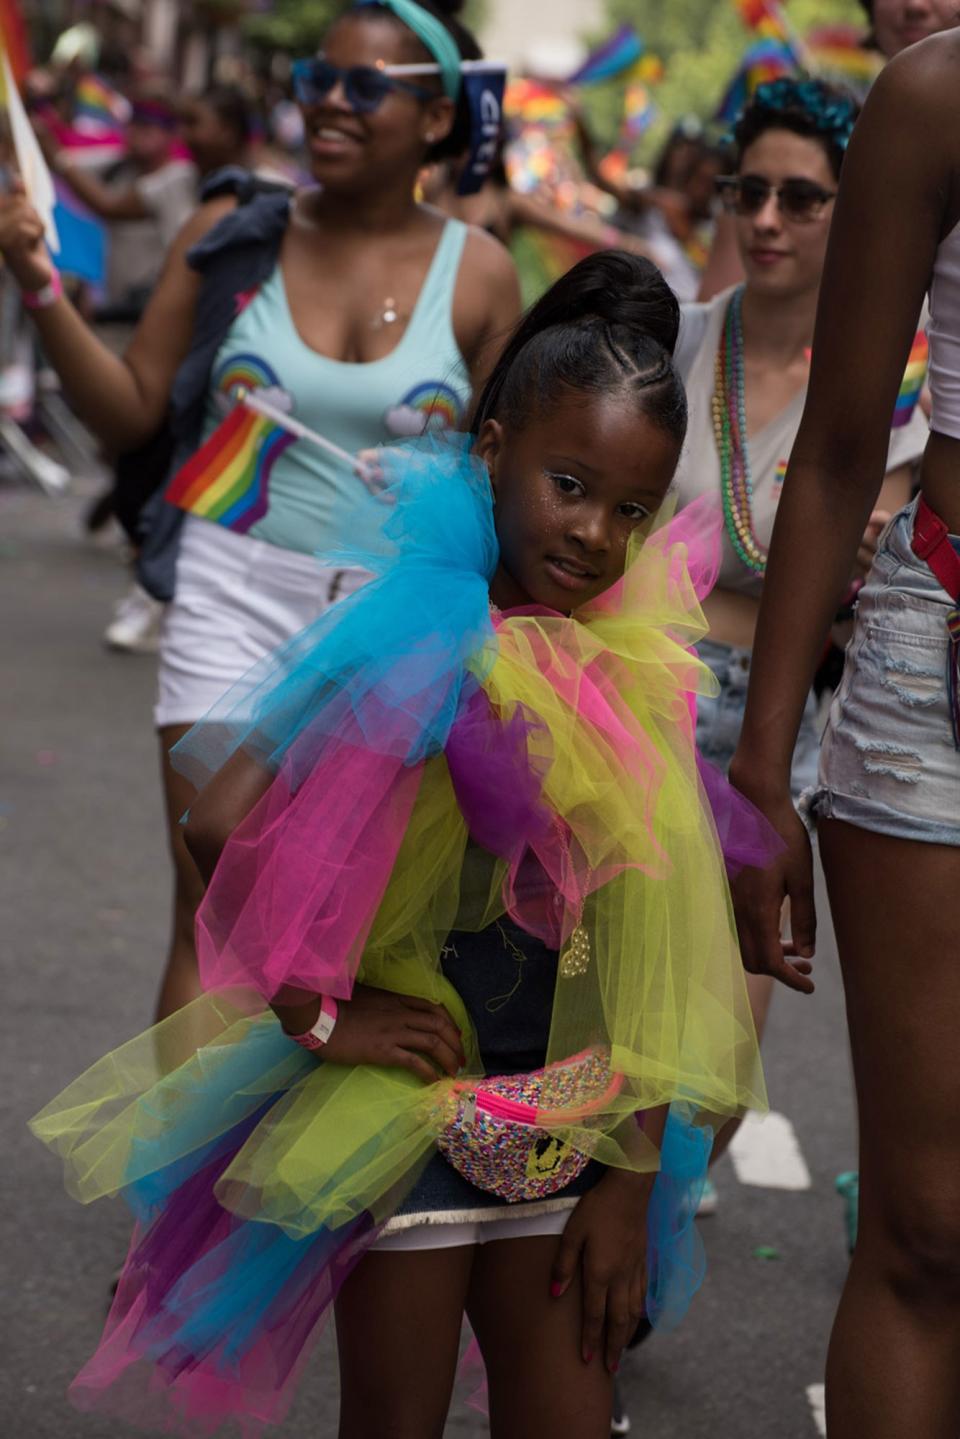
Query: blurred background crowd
616	118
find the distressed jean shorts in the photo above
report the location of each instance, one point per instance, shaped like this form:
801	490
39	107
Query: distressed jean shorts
720	716
888	761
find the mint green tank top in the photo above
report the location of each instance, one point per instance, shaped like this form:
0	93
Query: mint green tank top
422	383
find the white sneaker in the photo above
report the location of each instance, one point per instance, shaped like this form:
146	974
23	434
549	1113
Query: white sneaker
709	1200
135	627
619	1419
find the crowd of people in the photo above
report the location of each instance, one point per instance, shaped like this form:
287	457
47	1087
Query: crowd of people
491	666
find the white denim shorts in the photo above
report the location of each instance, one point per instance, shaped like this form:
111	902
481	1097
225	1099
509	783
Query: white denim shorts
888	762
235	600
531	1221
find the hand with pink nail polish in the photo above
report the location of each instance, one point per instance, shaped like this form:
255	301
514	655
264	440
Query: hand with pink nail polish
605	1246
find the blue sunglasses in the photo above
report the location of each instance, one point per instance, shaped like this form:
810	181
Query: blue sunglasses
365	86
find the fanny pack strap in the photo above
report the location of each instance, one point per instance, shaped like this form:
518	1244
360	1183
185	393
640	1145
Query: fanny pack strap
931	543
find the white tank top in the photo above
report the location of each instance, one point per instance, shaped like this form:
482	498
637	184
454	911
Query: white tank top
944	335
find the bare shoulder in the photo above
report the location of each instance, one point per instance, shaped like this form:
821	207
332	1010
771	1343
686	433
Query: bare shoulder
202	221
921	86
486	258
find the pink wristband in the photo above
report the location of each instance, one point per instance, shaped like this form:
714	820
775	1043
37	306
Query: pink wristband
48	295
318	1036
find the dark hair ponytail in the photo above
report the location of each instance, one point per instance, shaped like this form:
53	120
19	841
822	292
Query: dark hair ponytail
609	325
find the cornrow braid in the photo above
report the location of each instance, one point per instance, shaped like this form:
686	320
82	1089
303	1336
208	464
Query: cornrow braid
608	326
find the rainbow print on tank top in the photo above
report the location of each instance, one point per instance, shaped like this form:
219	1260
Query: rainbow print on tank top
228	479
912	382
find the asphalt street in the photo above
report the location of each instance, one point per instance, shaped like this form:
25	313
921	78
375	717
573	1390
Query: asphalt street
85	895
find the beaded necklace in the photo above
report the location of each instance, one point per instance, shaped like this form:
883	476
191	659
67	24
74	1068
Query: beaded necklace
730	434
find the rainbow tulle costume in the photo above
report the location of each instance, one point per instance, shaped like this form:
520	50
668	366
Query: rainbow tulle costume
406	721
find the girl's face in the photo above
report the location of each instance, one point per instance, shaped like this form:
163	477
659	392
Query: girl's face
570	488
361	151
899	23
783	256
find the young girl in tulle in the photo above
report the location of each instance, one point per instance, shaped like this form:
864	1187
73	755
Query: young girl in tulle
474	1002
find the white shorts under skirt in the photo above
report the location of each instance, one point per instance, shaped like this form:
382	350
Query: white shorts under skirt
236	599
533	1220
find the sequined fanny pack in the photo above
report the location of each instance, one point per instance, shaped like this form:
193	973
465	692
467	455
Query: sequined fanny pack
497	1140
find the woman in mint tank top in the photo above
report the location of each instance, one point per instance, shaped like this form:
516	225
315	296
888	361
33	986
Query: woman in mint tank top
378	319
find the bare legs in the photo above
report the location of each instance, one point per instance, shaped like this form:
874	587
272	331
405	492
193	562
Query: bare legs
892	1368
398	1331
180	982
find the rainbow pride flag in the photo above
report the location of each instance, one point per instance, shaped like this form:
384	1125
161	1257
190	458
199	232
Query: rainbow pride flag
97	106
639	113
766	60
912	383
839	50
612	58
228	479
764	16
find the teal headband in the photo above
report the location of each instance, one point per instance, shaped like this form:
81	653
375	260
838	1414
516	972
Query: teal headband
432	33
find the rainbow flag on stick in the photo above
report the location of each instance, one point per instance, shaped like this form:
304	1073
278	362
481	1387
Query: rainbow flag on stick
619	53
228	479
913	380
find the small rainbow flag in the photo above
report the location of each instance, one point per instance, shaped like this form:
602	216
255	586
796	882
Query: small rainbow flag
97	106
639	113
228	478
841	50
766	60
764	16
913	378
779	474
619	53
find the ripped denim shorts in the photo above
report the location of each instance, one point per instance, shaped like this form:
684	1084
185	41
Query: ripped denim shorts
888	761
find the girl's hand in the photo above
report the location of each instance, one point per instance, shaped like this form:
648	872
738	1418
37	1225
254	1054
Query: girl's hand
376	1026
606	1236
758	896
21	240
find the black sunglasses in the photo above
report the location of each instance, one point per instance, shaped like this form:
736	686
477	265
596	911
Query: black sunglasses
365	86
798	199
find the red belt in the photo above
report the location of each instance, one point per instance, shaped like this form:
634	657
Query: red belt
931	542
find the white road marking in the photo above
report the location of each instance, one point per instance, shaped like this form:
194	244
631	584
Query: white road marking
766	1154
815	1396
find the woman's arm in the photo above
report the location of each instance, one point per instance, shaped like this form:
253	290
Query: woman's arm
890	217
374	1026
123	400
110	202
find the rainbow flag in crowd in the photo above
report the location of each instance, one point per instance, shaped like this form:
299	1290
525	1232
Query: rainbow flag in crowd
13	38
764	16
838	50
766	60
612	58
913	379
228	479
97	106
639	113
531	102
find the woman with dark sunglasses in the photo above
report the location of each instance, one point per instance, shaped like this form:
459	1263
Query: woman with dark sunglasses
744	357
888	793
367	314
